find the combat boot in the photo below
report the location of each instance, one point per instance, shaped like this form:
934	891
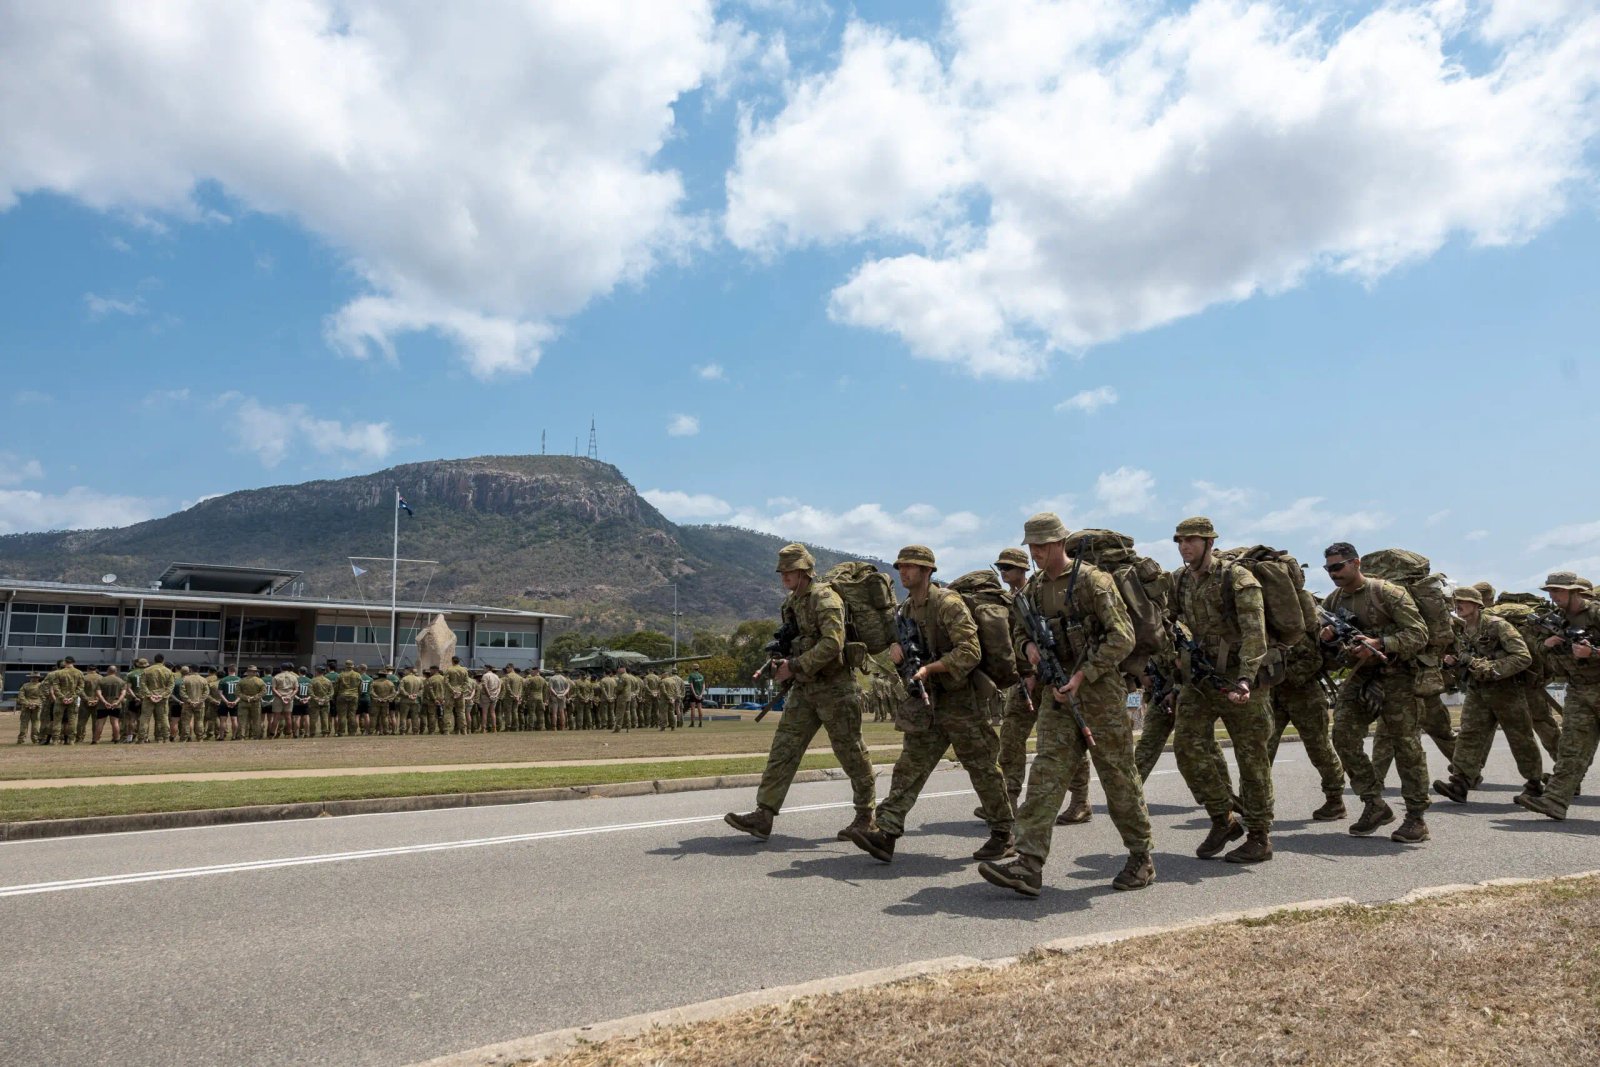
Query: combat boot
1412	832
862	821
758	824
1454	788
875	843
1543	804
1257	848
1022	875
1224	828
998	847
1333	809
1533	788
1377	813
1077	810
1137	873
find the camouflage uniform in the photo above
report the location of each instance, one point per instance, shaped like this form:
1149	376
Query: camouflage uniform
155	689
192	692
61	700
435	697
611	708
951	638
88	701
252	688
382	693
285	688
1495	656
1433	719
823	695
30	699
1099	637
1300	700
322	691
1383	692
458	683
651	700
1236	642
1580	720
536	696
510	711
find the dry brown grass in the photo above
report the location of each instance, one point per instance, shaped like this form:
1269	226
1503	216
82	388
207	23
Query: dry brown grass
1503	976
76	761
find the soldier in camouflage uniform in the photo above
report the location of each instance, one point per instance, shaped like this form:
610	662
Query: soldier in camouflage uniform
509	712
61	688
1543	712
950	641
88	703
536	698
1380	686
155	689
30	701
382	693
1433	719
193	689
611	691
822	696
1222	606
1081	604
1492	654
435	696
458	684
252	690
1299	699
346	699
1577	661
285	688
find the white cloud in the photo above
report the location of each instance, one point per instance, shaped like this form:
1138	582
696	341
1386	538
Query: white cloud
15	469
1210	497
959	539
485	172
711	372
1570	535
1307	514
1475	535
79	508
1075	170
101	306
683	426
1437	517
269	431
1125	491
1089	401
687	507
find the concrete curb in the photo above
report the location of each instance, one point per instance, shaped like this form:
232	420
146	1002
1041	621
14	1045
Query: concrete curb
167	820
541	1046
37	829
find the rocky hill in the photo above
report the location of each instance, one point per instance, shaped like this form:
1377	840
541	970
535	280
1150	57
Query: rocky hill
556	533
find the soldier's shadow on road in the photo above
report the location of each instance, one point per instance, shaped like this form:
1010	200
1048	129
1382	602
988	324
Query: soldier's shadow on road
735	844
1337	842
858	867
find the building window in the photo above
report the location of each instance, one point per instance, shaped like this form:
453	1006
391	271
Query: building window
38	624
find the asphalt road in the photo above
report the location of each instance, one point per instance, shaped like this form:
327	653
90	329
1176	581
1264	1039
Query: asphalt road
387	939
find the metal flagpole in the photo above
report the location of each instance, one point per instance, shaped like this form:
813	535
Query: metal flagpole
394	575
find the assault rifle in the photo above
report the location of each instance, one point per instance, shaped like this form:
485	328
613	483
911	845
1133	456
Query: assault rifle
1162	688
1051	672
1552	622
913	654
1346	634
1201	666
777	650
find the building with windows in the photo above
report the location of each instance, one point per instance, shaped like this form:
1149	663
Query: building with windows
205	614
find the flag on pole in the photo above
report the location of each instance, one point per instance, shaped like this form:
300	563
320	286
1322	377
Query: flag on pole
359	571
404	506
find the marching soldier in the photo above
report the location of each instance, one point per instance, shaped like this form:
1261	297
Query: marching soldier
1578	661
1491	654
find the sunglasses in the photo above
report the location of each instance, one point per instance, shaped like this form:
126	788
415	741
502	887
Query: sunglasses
1335	568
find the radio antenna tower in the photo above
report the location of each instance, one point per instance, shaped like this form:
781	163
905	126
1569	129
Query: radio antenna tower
594	447
541	442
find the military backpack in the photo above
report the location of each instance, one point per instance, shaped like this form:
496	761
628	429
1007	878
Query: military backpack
1282	580
1413	573
1143	583
990	605
869	603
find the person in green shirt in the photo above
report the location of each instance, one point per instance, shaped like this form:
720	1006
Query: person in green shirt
228	707
697	698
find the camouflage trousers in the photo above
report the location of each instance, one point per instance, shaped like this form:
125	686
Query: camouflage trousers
1491	704
250	724
1305	706
85	717
344	710
1580	732
1365	697
28	728
808	708
153	720
322	718
1061	753
1546	719
958	723
1015	728
1195	735
190	718
57	723
456	715
1158	726
1433	719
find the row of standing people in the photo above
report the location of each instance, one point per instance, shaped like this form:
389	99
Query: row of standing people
1075	687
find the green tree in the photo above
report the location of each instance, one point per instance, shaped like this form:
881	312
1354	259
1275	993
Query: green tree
560	651
651	643
719	671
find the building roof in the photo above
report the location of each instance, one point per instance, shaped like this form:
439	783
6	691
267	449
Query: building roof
222	578
197	597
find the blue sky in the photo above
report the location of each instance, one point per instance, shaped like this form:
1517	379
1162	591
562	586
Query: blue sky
860	275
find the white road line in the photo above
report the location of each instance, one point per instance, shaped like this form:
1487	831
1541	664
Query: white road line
176	873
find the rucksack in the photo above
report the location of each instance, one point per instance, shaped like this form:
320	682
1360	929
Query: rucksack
1282	580
1518	609
1412	572
1142	583
869	603
990	605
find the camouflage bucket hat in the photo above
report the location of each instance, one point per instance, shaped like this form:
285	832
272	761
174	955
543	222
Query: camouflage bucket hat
1012	557
921	555
1197	526
1485	590
795	558
1565	580
1043	529
1468	593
